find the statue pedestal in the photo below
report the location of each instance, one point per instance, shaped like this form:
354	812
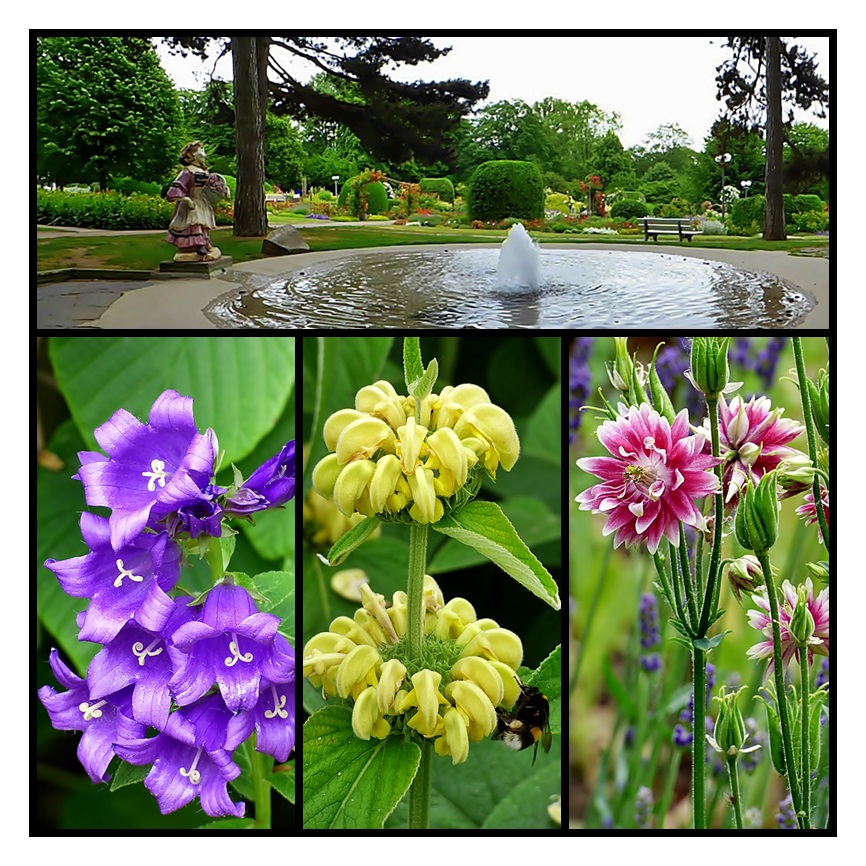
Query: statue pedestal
202	270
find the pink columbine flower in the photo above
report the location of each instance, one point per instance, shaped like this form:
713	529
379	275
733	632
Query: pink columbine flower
753	440
810	512
657	472
819	607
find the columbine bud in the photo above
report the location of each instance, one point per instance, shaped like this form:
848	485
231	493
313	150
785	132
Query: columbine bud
802	625
819	397
729	737
745	575
619	371
709	365
795	474
757	522
661	400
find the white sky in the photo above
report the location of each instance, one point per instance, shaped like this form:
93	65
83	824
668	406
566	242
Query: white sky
610	71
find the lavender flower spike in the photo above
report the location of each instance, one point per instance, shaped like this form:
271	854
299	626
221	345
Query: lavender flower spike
152	469
270	486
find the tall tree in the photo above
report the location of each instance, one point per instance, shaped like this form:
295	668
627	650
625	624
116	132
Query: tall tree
104	106
395	121
764	73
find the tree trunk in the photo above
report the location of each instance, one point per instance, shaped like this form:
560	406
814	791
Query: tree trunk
774	218
251	219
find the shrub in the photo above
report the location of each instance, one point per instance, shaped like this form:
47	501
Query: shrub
678	207
628	209
426	219
103	210
301	209
505	187
714	227
745	211
440	186
810	221
373	193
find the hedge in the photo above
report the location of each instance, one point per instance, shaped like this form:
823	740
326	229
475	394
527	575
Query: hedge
506	188
440	186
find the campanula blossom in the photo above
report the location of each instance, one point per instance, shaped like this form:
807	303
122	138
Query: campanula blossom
270	486
151	469
129	582
104	722
653	479
191	758
233	645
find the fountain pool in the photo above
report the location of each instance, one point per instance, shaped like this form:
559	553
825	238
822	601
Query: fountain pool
464	287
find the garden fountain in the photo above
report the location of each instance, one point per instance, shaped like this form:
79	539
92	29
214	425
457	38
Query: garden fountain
514	285
519	263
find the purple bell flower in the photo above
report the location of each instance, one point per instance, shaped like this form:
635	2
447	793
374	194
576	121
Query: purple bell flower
129	582
146	661
233	645
270	486
273	719
151	469
191	758
105	722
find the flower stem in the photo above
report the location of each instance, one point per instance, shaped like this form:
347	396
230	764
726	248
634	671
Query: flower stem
806	774
590	617
419	793
810	435
699	739
415	588
261	788
779	678
735	791
710	593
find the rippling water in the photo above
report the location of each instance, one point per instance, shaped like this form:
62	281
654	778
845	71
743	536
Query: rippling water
455	288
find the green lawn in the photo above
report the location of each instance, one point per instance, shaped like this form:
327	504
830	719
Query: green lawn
145	252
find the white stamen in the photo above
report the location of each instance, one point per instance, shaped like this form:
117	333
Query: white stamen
236	654
156	475
192	774
278	706
124	572
139	651
91	711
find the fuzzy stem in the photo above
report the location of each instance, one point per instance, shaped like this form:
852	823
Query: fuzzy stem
710	593
779	678
806	773
699	739
415	588
261	788
735	791
805	399
419	793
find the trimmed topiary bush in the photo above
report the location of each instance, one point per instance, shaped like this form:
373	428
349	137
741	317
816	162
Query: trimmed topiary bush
745	211
504	188
628	209
374	193
440	186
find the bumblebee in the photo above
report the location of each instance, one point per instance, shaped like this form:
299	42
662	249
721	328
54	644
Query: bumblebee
527	723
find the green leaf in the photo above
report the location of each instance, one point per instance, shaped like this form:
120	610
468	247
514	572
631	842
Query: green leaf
483	526
239	385
283	780
128	774
351	783
352	539
525	805
413	363
618	691
548	679
542	437
278	589
709	643
532	521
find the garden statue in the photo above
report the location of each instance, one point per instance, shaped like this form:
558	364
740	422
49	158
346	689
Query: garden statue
195	191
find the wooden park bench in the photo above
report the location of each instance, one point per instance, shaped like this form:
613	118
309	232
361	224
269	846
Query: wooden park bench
655	226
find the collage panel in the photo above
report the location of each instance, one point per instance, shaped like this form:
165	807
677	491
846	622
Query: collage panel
699	531
163	674
431	571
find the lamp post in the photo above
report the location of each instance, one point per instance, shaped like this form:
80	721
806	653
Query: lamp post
745	184
723	159
335	178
